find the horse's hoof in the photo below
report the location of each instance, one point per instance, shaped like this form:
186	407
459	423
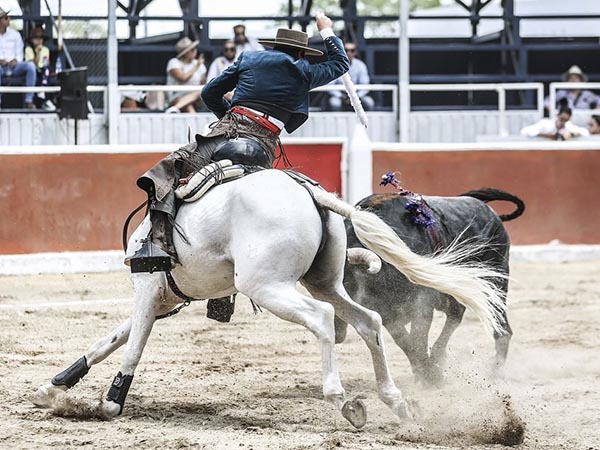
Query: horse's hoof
45	395
355	412
110	409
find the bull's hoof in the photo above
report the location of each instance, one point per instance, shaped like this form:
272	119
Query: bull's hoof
412	410
110	409
45	395
355	412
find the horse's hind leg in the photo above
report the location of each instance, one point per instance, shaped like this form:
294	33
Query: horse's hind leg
287	303
368	325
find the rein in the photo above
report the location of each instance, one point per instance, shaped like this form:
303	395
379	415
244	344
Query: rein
126	224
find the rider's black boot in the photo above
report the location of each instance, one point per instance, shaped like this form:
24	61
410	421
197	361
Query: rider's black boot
157	253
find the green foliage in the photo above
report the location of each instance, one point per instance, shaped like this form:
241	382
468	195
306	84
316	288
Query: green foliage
364	7
390	7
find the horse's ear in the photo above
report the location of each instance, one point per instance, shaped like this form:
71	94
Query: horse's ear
189	139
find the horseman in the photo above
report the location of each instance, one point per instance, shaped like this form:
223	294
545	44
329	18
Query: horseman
270	93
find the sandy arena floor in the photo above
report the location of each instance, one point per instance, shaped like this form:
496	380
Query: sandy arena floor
256	383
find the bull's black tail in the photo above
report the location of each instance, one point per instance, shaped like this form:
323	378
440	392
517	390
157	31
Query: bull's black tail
490	194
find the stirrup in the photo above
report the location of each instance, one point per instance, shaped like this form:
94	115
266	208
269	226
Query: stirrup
151	258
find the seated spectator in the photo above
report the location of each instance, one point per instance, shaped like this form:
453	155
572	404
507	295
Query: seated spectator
242	42
594	124
559	129
142	101
36	51
186	69
222	62
132	101
11	57
39	54
338	100
576	98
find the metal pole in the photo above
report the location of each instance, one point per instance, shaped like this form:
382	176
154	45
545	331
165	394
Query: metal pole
404	71
113	75
502	111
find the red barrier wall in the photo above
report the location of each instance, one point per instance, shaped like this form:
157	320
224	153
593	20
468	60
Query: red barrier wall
561	188
78	202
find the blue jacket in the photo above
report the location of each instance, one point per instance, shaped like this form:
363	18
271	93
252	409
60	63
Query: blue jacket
273	77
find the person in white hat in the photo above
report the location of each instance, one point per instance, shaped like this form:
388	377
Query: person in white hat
576	98
186	69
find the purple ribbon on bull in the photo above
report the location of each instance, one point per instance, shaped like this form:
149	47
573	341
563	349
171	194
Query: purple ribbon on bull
422	215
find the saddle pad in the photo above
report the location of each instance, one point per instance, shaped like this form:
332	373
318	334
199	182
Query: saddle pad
206	178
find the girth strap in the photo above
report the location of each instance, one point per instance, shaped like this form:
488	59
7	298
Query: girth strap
303	181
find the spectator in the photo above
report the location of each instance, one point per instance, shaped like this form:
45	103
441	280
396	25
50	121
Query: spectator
186	69
338	100
222	62
594	124
39	54
559	129
11	57
576	98
242	42
36	51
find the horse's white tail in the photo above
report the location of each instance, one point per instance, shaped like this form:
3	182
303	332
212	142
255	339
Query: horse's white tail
469	283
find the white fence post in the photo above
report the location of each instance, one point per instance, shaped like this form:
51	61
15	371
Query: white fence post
360	166
114	98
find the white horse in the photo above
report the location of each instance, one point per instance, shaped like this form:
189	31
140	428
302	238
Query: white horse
259	236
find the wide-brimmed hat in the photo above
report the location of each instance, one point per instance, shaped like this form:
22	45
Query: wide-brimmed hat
38	32
3	13
293	39
184	45
574	70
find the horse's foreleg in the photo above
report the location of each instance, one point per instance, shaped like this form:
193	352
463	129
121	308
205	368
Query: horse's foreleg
148	291
76	371
97	353
368	325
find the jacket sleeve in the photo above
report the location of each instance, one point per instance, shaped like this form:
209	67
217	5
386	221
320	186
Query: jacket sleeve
213	92
336	66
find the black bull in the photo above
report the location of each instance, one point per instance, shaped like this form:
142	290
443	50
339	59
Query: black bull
399	302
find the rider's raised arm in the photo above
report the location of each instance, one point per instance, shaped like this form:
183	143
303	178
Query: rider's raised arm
337	64
213	92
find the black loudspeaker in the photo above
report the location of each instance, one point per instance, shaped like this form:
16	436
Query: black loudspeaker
73	93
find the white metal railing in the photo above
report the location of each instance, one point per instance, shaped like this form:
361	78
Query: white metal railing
330	87
554	87
178	88
38	89
500	88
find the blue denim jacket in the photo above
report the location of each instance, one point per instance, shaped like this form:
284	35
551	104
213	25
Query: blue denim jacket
273	77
